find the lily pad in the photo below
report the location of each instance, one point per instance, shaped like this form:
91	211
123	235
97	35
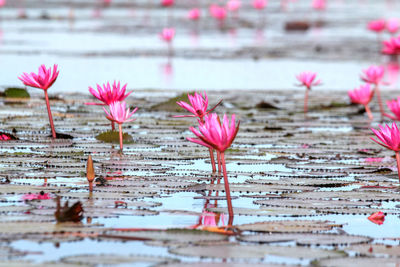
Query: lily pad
14	92
113	137
289	226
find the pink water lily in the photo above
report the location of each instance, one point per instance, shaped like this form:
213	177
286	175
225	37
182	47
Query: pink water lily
392	25
217	12
374	75
233	5
319	4
389	137
108	94
392	46
4	137
167	34
212	133
394	106
260	4
39	196
120	114
198	105
377	25
363	95
307	79
167	3
43	80
194	14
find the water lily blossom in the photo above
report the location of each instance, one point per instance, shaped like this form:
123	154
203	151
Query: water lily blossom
377	25
394	106
374	75
90	172
120	114
260	4
392	25
40	196
167	34
43	80
194	14
233	5
212	133
217	12
319	4
391	46
198	107
167	3
363	96
377	218
389	137
307	79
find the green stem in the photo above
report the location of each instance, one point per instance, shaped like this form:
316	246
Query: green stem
227	190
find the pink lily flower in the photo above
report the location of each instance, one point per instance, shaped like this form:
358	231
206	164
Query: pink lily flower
377	25
394	106
220	136
391	46
374	75
217	12
194	14
168	34
43	80
198	106
260	4
108	95
363	96
319	4
392	25
233	5
120	114
5	137
2	3
167	3
377	218
307	79
390	138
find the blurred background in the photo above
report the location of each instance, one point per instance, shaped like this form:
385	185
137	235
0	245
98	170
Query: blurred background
221	45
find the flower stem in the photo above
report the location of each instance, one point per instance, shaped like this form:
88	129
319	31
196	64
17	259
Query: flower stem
227	190
91	186
113	125
214	169
53	131
219	162
398	163
120	137
378	94
306	102
368	110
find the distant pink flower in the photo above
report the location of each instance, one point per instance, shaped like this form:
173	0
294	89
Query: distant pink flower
2	3
377	218
373	159
260	4
43	80
394	106
198	106
391	46
373	75
108	94
307	79
392	25
363	95
167	3
107	2
5	137
319	4
194	14
120	114
377	25
39	196
217	12
167	34
215	134
233	5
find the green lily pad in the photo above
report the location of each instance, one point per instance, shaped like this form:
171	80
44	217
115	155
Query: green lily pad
113	137
170	104
14	92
